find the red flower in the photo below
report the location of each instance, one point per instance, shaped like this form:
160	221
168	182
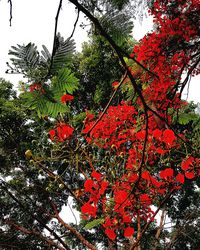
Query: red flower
168	137
121	196
126	219
187	163
52	134
64	132
146	175
104	185
128	232
189	175
115	84
180	178
96	175
110	233
66	98
89	209
144	198
168	172
140	135
157	133
88	185
36	86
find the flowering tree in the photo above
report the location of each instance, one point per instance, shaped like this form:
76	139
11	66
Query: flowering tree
127	157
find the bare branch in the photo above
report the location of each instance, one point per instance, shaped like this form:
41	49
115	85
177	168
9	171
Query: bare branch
72	229
150	221
26	210
10	20
77	18
160	228
55	35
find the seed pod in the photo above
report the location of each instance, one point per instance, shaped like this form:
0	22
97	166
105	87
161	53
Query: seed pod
28	153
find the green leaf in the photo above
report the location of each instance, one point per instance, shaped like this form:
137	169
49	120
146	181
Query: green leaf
26	56
94	223
117	25
185	118
63	52
64	81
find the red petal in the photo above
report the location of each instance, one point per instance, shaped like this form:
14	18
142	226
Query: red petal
180	178
128	232
189	175
96	175
110	233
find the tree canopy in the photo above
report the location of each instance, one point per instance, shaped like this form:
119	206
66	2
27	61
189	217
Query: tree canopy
107	128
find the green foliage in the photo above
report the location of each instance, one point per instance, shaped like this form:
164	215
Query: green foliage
97	67
62	54
62	82
28	61
50	103
21	130
43	105
94	223
118	25
185	118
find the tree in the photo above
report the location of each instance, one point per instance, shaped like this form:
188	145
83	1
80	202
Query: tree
24	189
135	153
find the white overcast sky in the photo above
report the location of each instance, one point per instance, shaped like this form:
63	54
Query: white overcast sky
33	21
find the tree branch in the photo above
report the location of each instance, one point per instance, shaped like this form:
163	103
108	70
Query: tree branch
77	18
55	36
149	222
26	231
10	20
26	210
72	229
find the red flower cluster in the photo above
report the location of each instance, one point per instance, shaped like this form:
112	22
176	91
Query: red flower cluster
163	51
111	130
122	130
36	87
96	187
61	133
66	98
146	174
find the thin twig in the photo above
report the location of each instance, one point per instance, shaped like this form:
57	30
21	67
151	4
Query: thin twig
150	221
10	20
26	210
77	18
55	36
105	109
108	104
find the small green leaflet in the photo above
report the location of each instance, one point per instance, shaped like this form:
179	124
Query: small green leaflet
186	118
94	223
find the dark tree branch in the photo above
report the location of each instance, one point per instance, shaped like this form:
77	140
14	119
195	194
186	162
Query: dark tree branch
10	20
150	221
34	232
55	36
26	210
78	235
77	18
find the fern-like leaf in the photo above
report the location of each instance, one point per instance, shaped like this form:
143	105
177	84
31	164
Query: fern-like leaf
117	25
63	52
26	56
64	82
